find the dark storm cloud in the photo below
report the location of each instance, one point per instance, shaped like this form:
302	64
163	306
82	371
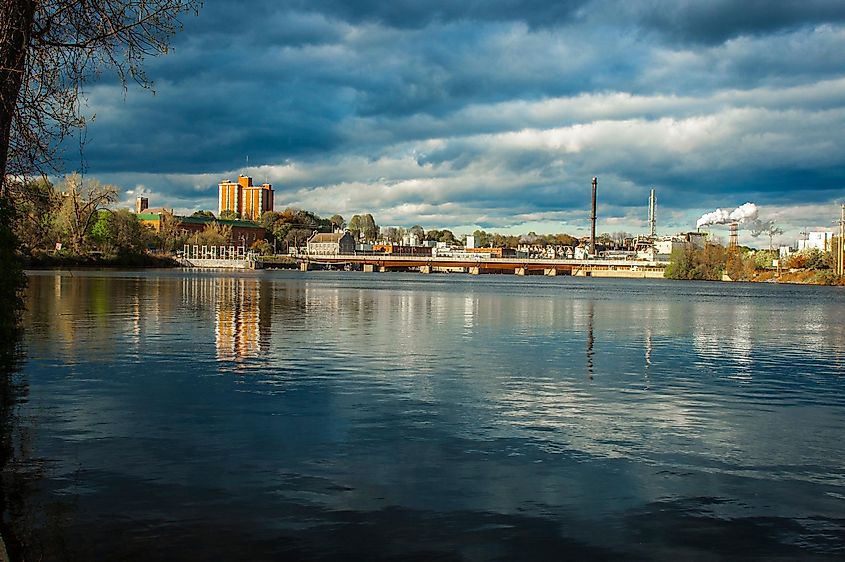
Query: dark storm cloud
489	113
715	21
416	14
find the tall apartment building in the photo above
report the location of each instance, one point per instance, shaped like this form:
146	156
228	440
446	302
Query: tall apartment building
247	200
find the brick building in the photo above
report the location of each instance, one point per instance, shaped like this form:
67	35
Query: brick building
242	231
247	200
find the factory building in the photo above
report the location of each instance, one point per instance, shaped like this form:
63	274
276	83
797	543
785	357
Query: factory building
820	239
242	197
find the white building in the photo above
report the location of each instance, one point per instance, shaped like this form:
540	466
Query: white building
331	244
817	240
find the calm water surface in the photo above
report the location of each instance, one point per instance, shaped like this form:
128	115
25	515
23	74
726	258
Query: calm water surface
289	416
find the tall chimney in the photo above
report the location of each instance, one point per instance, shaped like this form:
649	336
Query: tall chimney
593	219
733	238
652	202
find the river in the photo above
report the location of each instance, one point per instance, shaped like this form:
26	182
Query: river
176	415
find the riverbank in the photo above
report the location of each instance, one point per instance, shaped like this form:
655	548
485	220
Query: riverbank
61	260
799	277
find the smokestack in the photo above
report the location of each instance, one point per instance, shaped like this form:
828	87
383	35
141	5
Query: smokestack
593	219
652	202
733	240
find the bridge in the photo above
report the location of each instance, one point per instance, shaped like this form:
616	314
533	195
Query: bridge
479	265
238	257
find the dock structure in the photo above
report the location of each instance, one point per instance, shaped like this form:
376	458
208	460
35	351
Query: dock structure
476	266
218	257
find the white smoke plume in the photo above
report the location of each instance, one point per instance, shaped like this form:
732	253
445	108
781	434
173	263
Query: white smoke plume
743	213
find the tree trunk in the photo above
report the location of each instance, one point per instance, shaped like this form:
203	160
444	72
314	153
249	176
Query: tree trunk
16	20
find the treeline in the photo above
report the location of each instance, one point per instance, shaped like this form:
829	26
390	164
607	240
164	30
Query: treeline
71	220
74	219
744	264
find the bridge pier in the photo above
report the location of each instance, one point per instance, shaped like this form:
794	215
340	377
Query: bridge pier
382	269
369	268
550	272
474	270
425	269
304	266
519	271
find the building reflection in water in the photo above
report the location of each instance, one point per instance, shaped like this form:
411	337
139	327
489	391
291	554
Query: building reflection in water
242	313
590	352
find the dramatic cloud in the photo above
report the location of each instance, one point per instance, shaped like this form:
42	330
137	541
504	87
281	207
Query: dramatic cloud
493	114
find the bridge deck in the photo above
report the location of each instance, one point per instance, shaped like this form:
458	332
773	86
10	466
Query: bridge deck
528	264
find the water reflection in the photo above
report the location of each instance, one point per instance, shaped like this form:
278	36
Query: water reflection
590	315
387	405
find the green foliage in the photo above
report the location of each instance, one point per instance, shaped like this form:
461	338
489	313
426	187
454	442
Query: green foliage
763	258
691	263
364	226
681	264
205	214
36	204
101	232
811	259
262	247
214	234
338	222
229	215
740	265
441	236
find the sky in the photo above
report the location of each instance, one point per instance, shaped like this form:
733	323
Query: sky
494	114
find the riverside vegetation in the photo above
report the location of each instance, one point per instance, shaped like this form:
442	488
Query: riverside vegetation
714	261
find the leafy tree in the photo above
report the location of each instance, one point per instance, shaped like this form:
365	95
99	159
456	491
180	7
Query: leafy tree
129	236
262	247
417	231
101	231
740	265
205	214
440	236
80	203
170	234
36	203
811	258
763	258
681	264
691	263
213	234
229	215
369	228
338	222
482	239
391	234
364	226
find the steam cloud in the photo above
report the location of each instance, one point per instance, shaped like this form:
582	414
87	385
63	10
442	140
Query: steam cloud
743	213
769	228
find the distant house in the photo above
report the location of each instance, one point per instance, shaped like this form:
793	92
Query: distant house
331	244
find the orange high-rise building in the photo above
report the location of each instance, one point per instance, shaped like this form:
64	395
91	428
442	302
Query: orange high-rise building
247	200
